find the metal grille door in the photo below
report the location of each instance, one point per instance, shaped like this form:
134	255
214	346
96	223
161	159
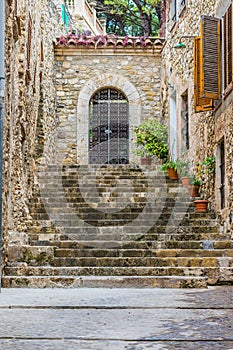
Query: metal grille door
109	128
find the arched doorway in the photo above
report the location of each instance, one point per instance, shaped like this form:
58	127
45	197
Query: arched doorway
108	127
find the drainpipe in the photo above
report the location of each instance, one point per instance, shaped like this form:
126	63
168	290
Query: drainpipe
2	79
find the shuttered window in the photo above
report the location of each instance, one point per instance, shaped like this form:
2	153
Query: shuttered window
227	51
210	57
200	103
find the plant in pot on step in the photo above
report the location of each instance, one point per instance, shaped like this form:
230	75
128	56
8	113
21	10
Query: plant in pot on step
151	140
205	170
171	167
183	172
195	184
201	205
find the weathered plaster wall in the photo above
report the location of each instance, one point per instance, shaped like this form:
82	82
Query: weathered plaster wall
82	71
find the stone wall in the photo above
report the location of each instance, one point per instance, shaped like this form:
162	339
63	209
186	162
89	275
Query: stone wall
80	72
206	129
29	103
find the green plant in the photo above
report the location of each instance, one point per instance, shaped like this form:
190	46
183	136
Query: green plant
195	181
172	164
202	173
151	139
208	165
182	167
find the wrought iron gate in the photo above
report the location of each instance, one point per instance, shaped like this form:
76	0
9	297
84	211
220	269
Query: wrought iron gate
109	128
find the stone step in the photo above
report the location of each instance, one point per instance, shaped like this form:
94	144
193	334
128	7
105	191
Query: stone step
103	282
125	221
209	271
113	252
123	239
107	198
144	262
141	245
116	168
93	179
45	254
146	213
173	217
136	228
174	220
19	276
148	178
132	231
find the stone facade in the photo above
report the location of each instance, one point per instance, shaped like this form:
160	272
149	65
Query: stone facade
205	129
31	28
80	72
47	106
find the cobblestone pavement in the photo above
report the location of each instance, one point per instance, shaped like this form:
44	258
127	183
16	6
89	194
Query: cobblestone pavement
116	319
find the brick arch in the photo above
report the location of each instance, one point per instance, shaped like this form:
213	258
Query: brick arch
94	84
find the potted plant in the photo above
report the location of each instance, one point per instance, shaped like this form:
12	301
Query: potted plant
195	184
202	173
151	140
171	167
201	205
204	170
183	172
144	154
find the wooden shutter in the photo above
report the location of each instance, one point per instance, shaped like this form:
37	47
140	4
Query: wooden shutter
227	50
200	103
210	57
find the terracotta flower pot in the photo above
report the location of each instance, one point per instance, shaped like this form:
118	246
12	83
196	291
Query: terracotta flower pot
172	174
201	205
194	191
185	181
146	161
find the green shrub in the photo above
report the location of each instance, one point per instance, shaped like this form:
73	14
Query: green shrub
151	139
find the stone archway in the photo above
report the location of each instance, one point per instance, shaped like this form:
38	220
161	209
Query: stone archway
94	84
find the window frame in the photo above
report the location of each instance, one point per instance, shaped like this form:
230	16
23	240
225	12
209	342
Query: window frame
176	9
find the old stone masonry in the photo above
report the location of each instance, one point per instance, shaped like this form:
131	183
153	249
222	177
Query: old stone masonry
79	208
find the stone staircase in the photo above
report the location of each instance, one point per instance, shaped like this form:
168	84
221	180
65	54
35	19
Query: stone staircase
116	226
